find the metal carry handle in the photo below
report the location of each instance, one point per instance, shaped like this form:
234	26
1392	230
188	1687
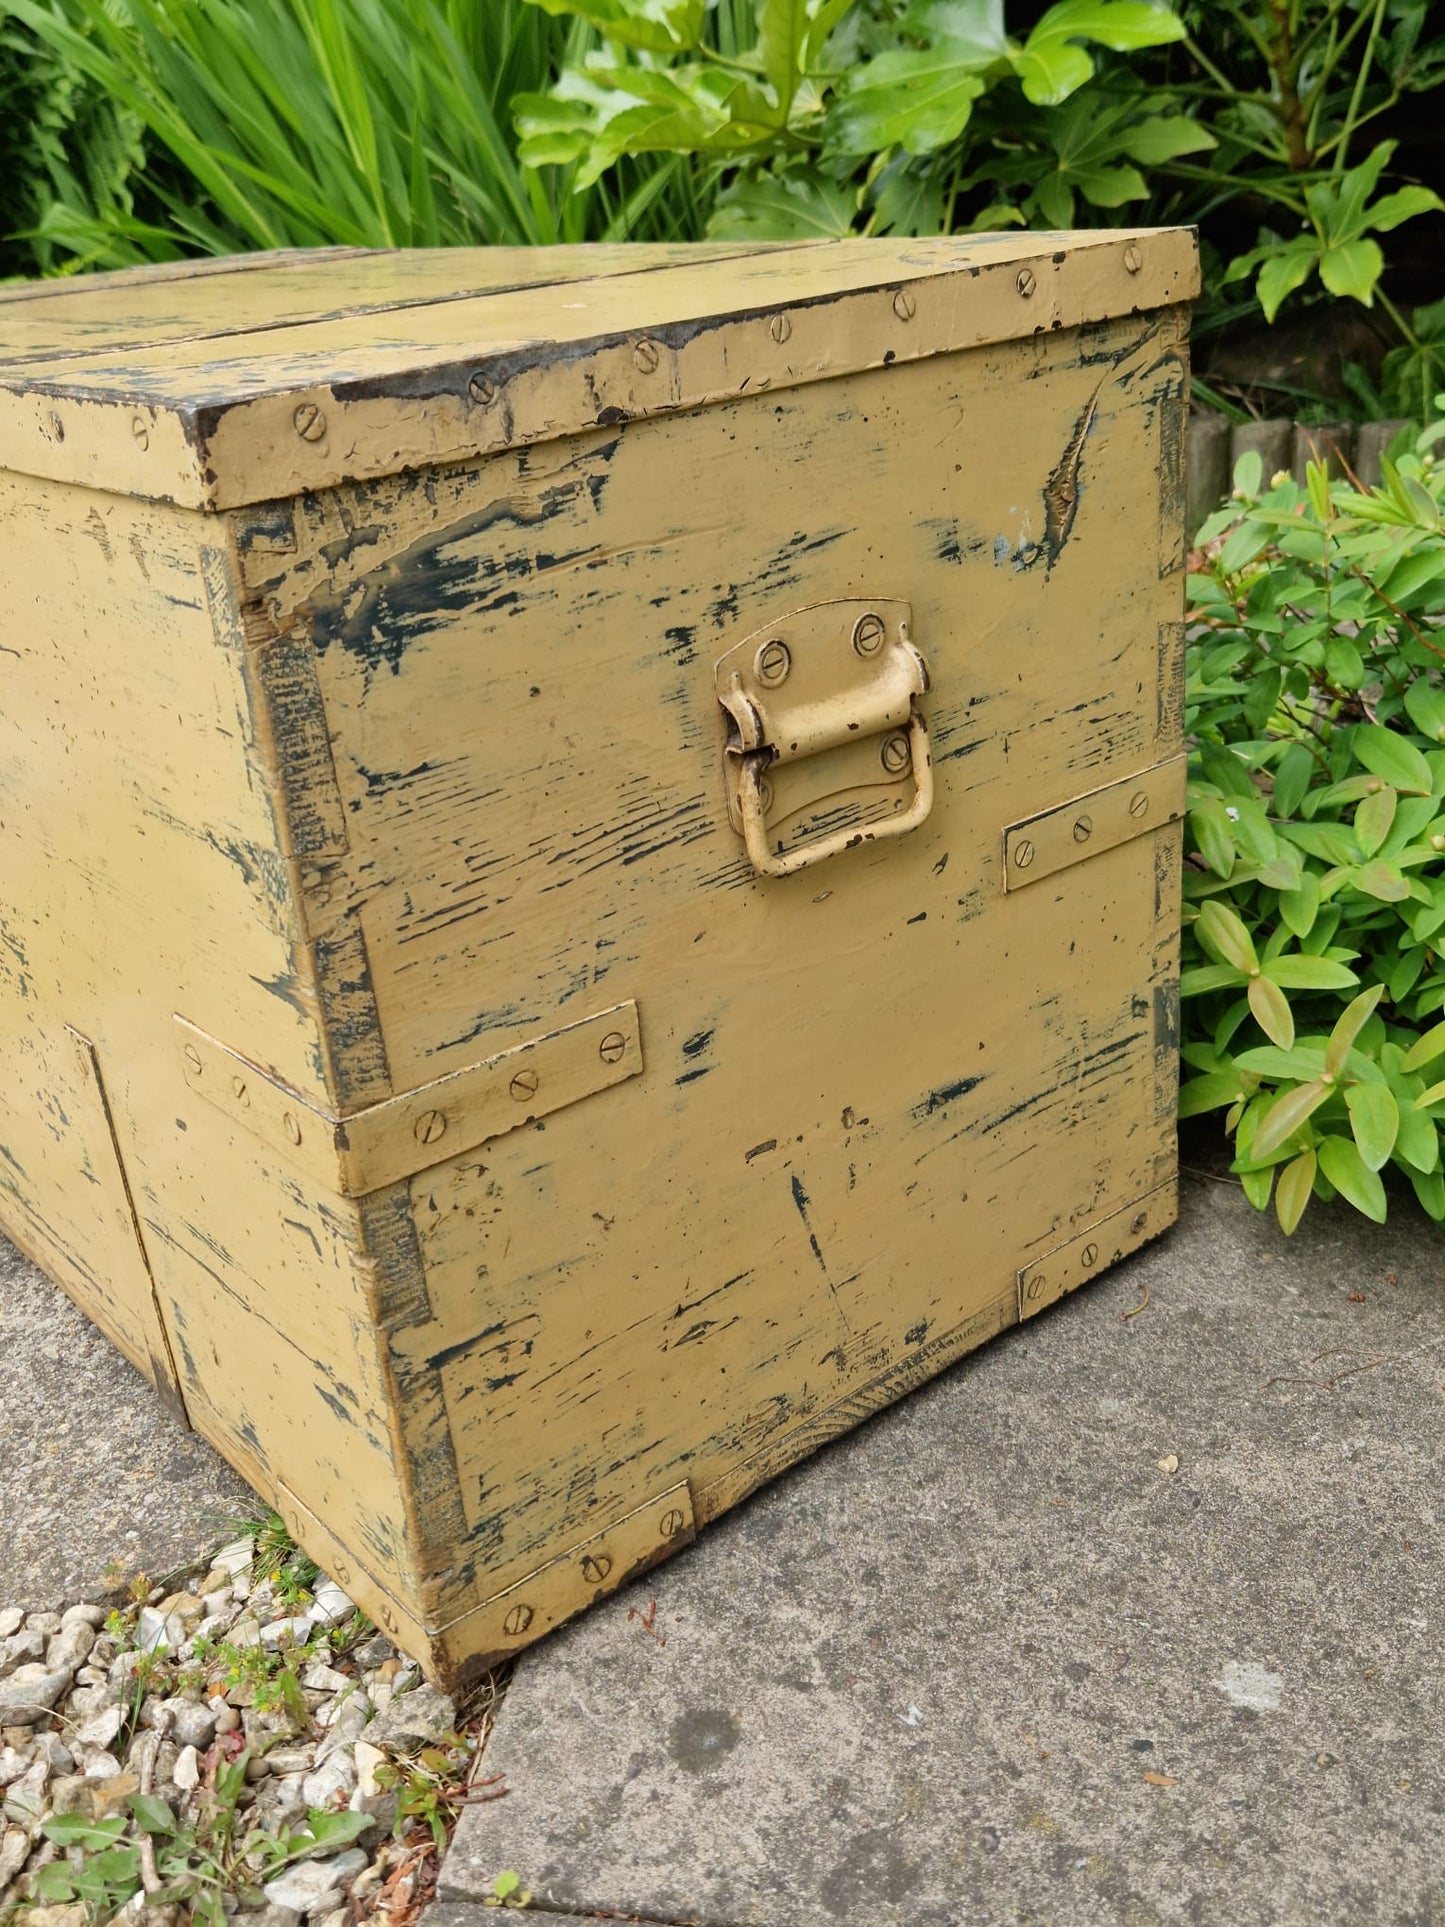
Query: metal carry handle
768	863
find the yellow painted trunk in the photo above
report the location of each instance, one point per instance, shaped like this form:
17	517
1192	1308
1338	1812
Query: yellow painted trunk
590	859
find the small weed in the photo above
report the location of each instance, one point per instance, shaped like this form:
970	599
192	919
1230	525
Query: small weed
195	1862
269	1673
508	1891
275	1556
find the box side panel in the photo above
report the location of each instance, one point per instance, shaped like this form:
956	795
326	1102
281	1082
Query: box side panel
143	875
876	1091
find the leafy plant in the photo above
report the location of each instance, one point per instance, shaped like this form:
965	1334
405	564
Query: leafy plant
303	123
269	1673
835	115
198	1862
1313	977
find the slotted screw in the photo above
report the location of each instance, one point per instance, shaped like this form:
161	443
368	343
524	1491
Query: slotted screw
1133	260
613	1047
904	306
429	1127
595	1568
482	391
1023	854
868	634
671	1523
895	755
1083	828
772	663
1026	282
309	421
517	1621
1089	1257
645	355
524	1085
1139	803
193	1060
780	328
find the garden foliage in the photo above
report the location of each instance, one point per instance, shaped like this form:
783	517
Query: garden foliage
1314	941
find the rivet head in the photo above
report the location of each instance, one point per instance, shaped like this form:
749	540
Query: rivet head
193	1060
482	391
1083	828
1089	1257
310	423
1026	282
613	1047
240	1093
517	1621
904	306
895	755
1133	260
671	1523
291	1127
868	634
646	356
595	1568
1023	854
772	663
780	328
429	1127
140	432
524	1085
1139	803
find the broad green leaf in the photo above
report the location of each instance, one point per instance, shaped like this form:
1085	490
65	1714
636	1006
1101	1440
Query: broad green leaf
1347	1171
914	100
1425	701
1412	574
1281	274
1382	880
1352	268
78	1830
1227	771
1195	982
1292	1191
1309	973
1109	186
1299	907
1161	137
1243	545
1351	1022
1052	65
1256	1186
1434	1095
1292	778
797	205
1289	1111
1267	1060
1221	931
1214	834
1374	817
1387	754
1374	1120
1418	1143
1426	1048
153	1814
1344	663
1212	1092
665	26
1431	1193
1271	1011
782	30
1403	205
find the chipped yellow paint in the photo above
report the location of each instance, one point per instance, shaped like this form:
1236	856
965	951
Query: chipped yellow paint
384	767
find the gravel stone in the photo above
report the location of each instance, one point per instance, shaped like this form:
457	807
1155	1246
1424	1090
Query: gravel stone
11	1620
101	1728
98	1763
14	1852
71	1793
191	1723
46	1623
82	1615
13	1762
187	1770
28	1644
331	1785
303	1887
56	1754
29	1693
278	1631
329	1604
25	1797
70	1647
418	1718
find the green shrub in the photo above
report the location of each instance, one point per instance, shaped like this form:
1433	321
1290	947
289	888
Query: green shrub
1314	899
307	123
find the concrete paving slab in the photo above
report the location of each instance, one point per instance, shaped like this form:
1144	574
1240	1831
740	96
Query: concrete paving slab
989	1660
94	1473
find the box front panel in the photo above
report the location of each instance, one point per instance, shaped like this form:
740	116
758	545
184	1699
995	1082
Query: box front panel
874	1090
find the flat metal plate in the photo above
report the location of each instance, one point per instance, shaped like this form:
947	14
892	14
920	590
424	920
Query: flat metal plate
1094	1249
1099	820
367	1149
